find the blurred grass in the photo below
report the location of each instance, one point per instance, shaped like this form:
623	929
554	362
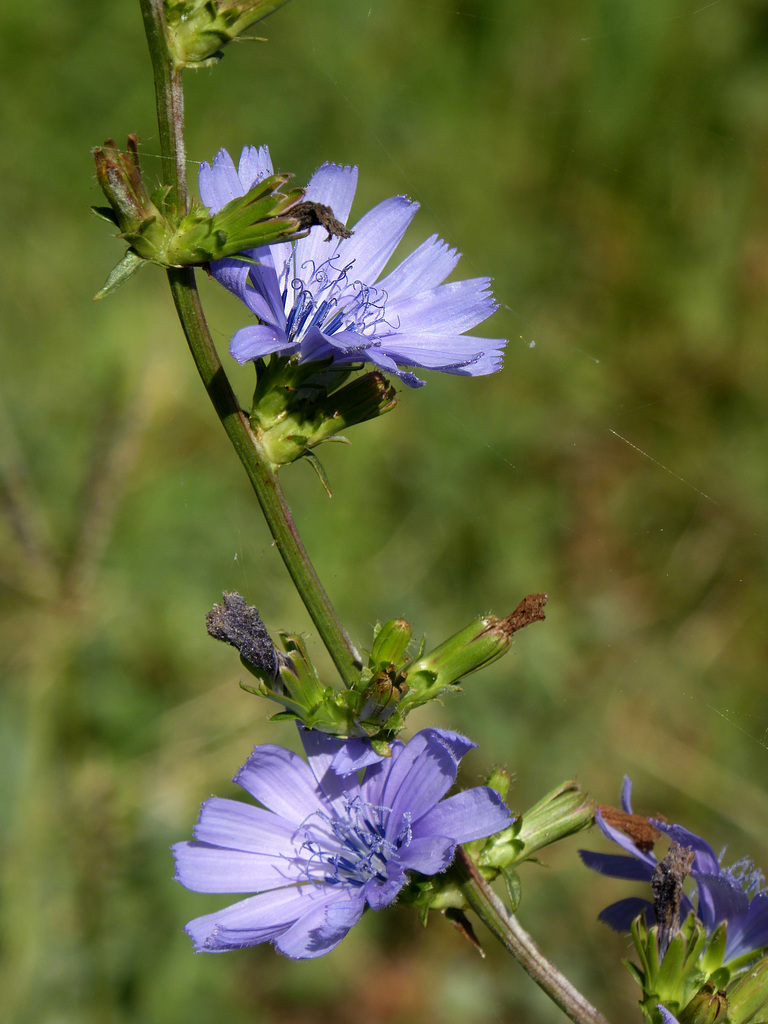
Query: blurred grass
605	161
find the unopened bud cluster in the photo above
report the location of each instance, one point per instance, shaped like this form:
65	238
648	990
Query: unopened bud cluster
389	687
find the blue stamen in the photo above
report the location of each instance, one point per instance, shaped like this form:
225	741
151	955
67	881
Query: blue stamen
333	851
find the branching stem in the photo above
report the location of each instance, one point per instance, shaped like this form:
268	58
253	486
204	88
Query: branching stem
263	477
507	929
261	473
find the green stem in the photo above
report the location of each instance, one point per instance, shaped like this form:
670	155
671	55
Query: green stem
263	477
169	97
507	929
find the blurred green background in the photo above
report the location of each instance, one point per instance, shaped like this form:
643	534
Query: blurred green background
606	162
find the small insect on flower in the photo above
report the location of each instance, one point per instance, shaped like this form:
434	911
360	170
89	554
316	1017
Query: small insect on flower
320	298
324	846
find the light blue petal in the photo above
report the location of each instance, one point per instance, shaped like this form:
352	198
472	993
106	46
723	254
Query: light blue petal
626	795
720	899
283	782
325	922
334	186
380	894
255	165
233	275
386	363
321	749
624	841
242	826
354	755
258	919
424	268
206	868
376	237
255	342
376	777
472	814
705	859
449	353
615	865
423	774
666	1016
621	914
218	183
481	365
751	932
255	285
448	309
428	854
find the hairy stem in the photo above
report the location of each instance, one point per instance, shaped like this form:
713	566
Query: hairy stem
507	929
261	473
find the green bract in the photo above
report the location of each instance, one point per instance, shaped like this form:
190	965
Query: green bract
198	29
297	406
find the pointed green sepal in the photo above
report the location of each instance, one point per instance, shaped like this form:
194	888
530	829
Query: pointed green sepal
714	955
125	269
261	217
514	888
675	978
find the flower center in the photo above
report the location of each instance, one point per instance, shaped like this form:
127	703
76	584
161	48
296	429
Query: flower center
324	296
351	850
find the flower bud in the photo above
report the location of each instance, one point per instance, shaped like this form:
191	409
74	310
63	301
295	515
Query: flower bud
499	780
477	645
298	406
131	208
198	29
379	700
561	813
390	643
708	1006
748	997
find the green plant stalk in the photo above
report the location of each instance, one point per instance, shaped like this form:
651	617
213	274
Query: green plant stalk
507	929
170	112
263	477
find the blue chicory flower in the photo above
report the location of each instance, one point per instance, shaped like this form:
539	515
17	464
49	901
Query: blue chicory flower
323	846
735	895
320	299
